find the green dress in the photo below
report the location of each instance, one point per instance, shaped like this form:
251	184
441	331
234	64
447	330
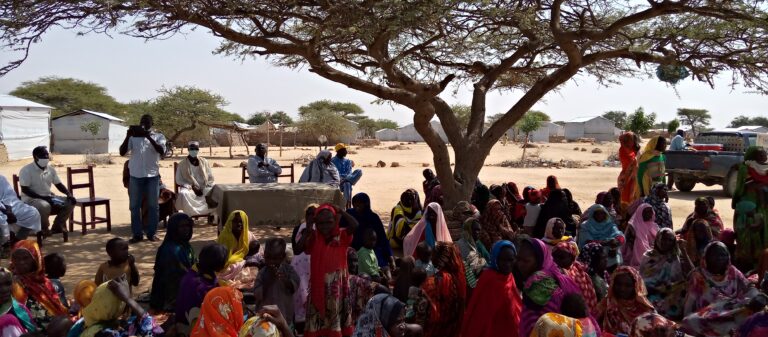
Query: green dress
650	172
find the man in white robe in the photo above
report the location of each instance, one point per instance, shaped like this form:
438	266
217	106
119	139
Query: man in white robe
195	180
27	218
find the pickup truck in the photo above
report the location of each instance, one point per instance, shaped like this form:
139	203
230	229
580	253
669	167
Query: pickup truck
710	167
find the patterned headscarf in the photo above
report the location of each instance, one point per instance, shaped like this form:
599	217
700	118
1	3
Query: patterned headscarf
660	208
618	314
590	253
221	313
569	247
382	311
35	284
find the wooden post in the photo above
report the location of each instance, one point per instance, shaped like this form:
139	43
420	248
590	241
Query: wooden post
247	150
229	133
281	138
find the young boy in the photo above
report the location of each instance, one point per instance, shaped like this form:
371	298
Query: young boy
277	281
55	269
121	263
424	258
366	256
532	210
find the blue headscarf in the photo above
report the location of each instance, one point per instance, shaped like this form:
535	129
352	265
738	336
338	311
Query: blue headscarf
496	250
591	230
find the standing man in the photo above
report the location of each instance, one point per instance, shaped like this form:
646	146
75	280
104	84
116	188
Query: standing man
348	177
676	144
36	179
262	169
147	148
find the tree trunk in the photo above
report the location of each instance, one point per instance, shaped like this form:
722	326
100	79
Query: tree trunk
182	130
525	147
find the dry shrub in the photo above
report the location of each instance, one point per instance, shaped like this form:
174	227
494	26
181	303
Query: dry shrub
399	147
424	164
394	164
597	150
381	164
91	159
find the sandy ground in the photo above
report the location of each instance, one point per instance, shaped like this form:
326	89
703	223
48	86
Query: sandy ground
384	185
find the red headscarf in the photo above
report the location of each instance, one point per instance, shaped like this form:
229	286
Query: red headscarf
35	284
329	257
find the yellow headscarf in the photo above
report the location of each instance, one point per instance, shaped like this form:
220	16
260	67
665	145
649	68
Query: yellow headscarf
104	307
238	248
84	294
649	150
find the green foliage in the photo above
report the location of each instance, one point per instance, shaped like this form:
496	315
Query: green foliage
348	110
745	121
540	115
673	126
278	117
529	123
66	95
324	122
697	119
181	109
386	124
639	122
463	113
370	126
617	117
91	127
134	110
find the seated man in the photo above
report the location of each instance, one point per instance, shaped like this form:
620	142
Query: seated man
36	179
262	169
321	170
195	180
17	215
348	177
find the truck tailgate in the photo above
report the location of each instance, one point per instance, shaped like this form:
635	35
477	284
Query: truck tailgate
687	160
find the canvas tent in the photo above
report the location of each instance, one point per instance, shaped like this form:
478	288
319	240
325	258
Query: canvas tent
408	133
386	135
72	136
599	128
24	125
541	135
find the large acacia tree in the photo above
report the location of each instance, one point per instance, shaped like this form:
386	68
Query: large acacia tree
410	52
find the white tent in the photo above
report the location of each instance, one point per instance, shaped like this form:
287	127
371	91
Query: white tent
542	134
71	134
386	135
599	128
24	125
408	133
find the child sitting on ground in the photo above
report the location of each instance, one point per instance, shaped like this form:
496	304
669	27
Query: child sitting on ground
121	263
55	268
424	258
277	281
366	257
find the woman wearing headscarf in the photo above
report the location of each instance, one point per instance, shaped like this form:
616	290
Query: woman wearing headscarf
495	224
625	302
600	228
431	229
703	211
329	311
653	325
518	217
552	184
545	286
195	284
593	256
15	318
404	216
384	316
473	252
462	212
31	287
658	200
555	233
628	176
494	309
512	193
321	170
174	259
640	235
698	238
606	199
480	197
367	219
556	206
564	254
664	269
221	314
719	297
236	236
447	290
750	205
650	165
499	192
572	204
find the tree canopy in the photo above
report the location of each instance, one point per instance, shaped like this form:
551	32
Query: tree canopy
748	121
182	109
277	117
324	122
697	119
66	95
673	126
410	52
617	117
348	110
639	122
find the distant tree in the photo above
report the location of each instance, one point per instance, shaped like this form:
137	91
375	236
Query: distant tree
543	117
697	119
348	110
673	126
639	122
278	117
368	126
617	117
181	109
386	124
324	122
529	123
133	110
744	121
66	95
462	113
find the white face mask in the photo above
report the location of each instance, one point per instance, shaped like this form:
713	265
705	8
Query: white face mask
193	153
42	162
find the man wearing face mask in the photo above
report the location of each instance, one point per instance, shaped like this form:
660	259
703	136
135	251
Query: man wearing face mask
146	148
36	179
195	180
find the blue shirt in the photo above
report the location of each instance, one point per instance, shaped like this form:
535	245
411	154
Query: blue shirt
343	165
144	162
677	144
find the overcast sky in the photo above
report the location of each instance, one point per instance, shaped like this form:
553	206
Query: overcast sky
133	69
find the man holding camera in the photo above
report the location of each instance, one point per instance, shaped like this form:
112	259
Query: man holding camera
262	169
36	179
146	148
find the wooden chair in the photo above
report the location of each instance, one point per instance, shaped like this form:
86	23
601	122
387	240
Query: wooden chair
39	234
91	202
283	175
208	217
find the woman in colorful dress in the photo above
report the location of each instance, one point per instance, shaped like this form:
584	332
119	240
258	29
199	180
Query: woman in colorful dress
236	236
31	287
627	181
658	200
404	216
329	312
593	256
494	309
555	233
473	252
703	211
650	165
564	254
545	286
495	224
15	318
431	229
600	228
173	260
640	235
653	325
625	302
447	290
697	239
749	202
664	269
719	297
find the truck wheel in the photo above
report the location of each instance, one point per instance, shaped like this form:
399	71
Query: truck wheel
685	184
731	183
